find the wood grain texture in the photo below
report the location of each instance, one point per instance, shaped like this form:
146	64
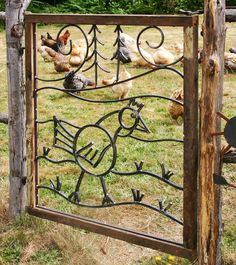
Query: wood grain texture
16	108
190	136
137	238
210	162
29	31
142	20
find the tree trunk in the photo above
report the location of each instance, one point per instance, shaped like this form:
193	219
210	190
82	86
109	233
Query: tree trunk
210	162
16	106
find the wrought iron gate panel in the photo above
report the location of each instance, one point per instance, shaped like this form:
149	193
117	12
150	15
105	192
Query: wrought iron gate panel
96	147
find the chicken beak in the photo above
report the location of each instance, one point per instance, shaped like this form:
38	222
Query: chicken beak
142	126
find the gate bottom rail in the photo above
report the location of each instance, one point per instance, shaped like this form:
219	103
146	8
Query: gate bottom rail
130	236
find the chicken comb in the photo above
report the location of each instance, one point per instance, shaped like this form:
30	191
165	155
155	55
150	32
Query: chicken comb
134	103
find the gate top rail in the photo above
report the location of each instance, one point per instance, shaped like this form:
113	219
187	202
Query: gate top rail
105	19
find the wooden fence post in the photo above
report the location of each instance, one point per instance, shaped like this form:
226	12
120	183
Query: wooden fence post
210	162
16	105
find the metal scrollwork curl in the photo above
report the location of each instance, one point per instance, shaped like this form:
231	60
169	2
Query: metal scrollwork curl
138	42
70	50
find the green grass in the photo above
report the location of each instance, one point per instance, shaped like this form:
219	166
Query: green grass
50	256
29	240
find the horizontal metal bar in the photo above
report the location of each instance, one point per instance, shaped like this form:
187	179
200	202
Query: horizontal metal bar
139	20
130	236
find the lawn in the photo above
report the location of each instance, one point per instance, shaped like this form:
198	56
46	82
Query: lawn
29	240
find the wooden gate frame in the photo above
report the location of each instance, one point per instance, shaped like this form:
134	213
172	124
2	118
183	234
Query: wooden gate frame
190	27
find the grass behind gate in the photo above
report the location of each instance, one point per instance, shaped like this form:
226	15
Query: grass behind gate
29	240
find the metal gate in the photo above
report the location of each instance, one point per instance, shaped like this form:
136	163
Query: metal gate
95	154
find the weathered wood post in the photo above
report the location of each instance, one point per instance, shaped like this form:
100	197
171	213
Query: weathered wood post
16	105
3	116
210	104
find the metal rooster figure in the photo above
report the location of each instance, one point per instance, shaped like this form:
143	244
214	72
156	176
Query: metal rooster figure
98	158
89	155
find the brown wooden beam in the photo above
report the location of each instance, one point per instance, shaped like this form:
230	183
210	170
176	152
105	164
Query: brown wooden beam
30	105
130	236
142	20
190	136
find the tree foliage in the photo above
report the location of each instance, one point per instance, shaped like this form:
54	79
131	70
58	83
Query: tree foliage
112	6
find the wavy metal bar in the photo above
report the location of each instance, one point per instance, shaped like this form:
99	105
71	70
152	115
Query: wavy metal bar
178	187
86	54
161	211
158	68
56	161
112	100
156	140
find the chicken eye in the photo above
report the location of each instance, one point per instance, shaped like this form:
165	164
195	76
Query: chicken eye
134	115
128	118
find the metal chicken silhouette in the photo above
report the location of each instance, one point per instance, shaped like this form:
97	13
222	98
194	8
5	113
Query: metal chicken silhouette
98	158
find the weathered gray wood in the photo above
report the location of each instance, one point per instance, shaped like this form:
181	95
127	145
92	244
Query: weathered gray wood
3	118
210	162
16	107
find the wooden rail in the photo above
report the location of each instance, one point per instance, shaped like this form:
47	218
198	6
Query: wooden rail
139	238
138	20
